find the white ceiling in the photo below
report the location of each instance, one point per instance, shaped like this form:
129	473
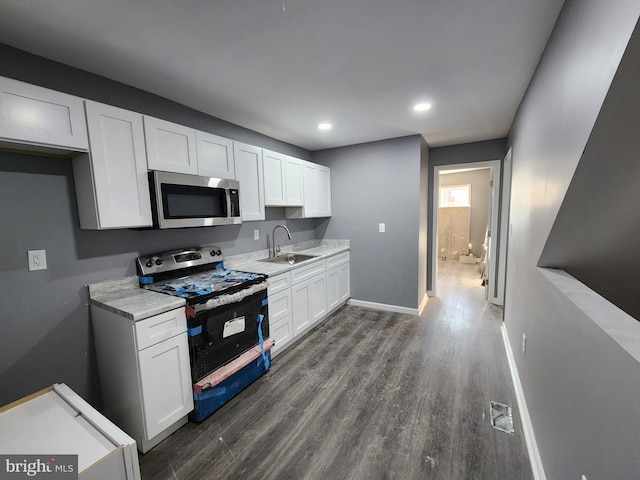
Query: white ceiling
281	67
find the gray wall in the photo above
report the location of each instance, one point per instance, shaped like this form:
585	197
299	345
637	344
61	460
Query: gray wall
596	232
46	332
480	199
374	183
581	388
455	155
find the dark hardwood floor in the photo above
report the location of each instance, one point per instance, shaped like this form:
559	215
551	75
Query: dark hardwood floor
368	395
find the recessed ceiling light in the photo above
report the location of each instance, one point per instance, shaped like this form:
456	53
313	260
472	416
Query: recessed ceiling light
324	126
421	107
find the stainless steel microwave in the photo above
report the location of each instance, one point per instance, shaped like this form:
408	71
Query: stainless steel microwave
179	200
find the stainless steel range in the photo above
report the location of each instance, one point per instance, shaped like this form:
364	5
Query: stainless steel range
227	310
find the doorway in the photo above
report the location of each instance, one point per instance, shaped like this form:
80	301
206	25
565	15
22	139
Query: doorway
478	241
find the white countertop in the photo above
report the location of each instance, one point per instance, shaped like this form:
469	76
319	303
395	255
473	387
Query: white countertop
124	296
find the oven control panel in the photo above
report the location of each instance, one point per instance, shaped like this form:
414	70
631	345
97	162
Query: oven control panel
175	260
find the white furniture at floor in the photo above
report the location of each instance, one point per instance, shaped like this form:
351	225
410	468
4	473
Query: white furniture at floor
280	311
301	298
111	182
57	421
248	163
338	280
37	116
309	295
145	376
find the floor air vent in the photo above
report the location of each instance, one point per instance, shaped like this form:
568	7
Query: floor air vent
501	418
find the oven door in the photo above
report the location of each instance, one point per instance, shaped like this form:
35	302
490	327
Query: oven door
222	334
180	200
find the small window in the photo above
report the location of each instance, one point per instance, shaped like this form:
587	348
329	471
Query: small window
455	196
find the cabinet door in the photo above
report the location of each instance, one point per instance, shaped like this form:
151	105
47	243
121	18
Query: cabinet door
294	182
248	163
318	297
166	383
338	286
309	303
323	191
35	115
310	190
215	156
274	179
300	299
170	147
111	184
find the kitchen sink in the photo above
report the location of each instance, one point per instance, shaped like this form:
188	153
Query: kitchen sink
290	258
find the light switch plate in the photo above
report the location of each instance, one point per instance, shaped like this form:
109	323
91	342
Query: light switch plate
381	227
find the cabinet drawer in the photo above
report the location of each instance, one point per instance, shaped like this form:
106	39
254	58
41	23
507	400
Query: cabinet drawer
282	332
338	259
160	327
279	283
279	306
301	274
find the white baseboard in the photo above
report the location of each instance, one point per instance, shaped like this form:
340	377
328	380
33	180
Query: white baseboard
383	306
527	427
423	304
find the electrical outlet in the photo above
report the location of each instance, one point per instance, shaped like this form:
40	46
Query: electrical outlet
37	259
524	343
256	234
381	227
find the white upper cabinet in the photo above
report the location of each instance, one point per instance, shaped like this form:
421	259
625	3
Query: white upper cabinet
294	181
249	172
41	117
274	179
323	191
282	180
111	183
215	156
316	191
170	147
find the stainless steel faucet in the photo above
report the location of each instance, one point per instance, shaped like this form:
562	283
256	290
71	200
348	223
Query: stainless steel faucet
276	248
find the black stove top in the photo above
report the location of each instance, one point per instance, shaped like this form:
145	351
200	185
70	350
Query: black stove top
196	274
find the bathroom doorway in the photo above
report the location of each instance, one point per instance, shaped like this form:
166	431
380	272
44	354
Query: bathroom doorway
465	230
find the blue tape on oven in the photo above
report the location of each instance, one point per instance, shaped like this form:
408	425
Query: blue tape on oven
210	393
265	301
194	331
219	265
265	358
146	280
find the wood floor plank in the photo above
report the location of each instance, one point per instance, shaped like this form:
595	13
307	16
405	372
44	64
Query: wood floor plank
368	395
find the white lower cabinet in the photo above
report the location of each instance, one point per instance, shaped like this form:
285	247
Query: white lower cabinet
280	311
309	303
338	280
145	377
